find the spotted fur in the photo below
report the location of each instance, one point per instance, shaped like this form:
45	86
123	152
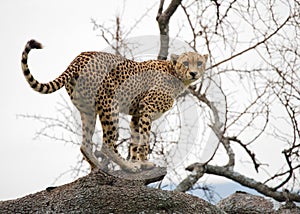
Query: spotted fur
104	84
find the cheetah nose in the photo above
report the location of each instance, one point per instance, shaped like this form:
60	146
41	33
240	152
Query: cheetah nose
193	74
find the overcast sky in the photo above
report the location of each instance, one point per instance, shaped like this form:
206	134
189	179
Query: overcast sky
65	30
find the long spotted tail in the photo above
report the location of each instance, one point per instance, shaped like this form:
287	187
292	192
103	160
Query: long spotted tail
44	88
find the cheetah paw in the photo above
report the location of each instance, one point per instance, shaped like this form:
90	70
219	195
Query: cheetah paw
132	167
147	165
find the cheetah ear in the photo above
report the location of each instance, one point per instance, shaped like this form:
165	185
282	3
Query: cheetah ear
174	58
205	56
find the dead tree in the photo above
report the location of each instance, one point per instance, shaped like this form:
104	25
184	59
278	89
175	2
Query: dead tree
272	83
268	83
99	192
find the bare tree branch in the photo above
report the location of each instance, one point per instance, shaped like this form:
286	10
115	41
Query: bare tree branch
243	180
163	18
252	47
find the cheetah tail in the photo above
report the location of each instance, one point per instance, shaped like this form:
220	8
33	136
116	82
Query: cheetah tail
44	88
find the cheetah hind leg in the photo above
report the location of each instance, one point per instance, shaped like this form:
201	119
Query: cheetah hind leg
88	128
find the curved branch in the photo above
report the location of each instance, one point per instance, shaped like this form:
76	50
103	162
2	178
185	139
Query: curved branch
251	154
252	47
290	171
245	181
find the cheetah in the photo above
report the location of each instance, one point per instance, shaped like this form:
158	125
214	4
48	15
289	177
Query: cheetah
104	85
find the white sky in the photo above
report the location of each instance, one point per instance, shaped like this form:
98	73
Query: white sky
65	30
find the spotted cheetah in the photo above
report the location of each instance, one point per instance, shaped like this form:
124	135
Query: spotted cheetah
104	84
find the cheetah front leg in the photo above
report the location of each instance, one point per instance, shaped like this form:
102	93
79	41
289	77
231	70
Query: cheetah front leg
139	146
109	120
151	107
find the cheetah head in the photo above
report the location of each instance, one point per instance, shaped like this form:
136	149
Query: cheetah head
189	66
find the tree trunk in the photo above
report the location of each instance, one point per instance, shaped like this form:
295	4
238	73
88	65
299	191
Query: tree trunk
99	192
163	19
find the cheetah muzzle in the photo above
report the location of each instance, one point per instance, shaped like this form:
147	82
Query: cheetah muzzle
103	85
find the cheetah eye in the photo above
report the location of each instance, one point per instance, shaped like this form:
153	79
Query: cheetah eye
186	64
199	64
